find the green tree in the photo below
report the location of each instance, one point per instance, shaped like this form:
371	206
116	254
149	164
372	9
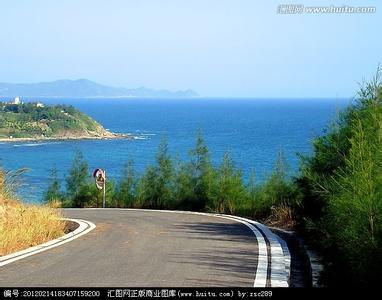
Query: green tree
77	180
164	176
183	192
230	190
355	204
110	194
277	190
201	173
126	190
248	207
146	190
341	183
54	189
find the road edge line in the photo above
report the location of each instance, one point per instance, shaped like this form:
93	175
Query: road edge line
287	256
279	267
262	261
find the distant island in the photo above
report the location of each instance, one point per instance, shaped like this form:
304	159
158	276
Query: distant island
35	121
84	88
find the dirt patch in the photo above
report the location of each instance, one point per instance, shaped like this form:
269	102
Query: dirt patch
70	226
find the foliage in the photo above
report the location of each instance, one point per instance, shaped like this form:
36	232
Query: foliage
77	187
126	189
146	193
29	120
164	172
54	189
201	175
229	190
341	183
192	185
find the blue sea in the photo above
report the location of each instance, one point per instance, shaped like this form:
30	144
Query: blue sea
252	130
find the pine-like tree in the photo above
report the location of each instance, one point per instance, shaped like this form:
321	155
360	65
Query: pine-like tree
164	176
146	190
77	179
126	190
54	189
183	192
201	173
230	190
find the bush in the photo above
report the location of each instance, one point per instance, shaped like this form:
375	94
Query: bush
341	184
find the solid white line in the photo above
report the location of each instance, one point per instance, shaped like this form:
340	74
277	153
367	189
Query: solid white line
279	276
260	279
262	260
287	257
84	228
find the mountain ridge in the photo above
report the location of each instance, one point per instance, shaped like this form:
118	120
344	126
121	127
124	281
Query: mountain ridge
84	88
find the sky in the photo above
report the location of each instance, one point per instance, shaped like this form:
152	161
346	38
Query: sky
218	48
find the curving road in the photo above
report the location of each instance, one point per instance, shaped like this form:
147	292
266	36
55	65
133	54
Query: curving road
143	248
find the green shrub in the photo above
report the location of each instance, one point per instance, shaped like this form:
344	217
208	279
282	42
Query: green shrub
341	183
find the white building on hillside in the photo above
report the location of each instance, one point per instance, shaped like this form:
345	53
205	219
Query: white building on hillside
15	101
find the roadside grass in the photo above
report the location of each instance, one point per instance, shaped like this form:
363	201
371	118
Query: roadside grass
281	217
23	226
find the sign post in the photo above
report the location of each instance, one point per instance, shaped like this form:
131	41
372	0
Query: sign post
104	190
100	182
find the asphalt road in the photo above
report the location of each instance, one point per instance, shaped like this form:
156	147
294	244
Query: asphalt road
142	248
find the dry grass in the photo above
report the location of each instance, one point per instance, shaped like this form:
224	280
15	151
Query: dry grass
281	217
54	203
23	226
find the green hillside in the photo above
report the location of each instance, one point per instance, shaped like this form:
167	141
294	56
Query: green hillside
37	121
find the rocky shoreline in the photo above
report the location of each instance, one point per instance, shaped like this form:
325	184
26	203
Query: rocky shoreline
68	138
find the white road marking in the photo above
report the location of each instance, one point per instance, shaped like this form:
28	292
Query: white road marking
262	260
279	274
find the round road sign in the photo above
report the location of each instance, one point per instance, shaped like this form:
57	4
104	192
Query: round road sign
99	176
